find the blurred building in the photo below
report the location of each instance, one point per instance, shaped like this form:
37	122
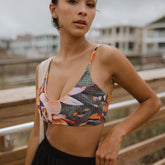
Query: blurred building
131	40
4	43
22	45
43	45
154	37
127	38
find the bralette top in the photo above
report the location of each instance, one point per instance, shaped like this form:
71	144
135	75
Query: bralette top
85	104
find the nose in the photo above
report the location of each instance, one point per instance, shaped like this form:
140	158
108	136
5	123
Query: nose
82	11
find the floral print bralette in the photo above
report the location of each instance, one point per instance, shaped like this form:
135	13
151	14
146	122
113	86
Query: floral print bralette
85	104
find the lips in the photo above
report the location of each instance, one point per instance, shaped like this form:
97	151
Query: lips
83	22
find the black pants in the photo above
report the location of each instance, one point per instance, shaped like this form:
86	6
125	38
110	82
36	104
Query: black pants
46	154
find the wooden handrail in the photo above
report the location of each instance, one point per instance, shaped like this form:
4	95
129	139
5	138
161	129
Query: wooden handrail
160	162
21	107
126	155
139	150
16	156
158	118
20	61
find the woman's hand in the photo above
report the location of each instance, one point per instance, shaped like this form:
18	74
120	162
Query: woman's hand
108	150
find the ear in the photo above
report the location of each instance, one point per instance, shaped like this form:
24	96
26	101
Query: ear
52	8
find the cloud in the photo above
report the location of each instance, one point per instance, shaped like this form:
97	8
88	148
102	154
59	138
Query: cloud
33	16
138	12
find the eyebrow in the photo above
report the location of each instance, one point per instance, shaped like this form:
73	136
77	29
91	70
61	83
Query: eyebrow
93	0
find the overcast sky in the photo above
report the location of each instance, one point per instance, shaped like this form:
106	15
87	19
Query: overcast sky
33	16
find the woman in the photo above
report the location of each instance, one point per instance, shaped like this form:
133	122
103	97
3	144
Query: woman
75	94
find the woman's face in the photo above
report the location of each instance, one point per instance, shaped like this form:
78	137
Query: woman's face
75	16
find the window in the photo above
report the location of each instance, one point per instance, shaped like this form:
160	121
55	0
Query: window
117	45
150	45
109	31
161	45
54	37
131	30
160	29
117	30
54	47
124	30
150	33
123	45
103	32
131	45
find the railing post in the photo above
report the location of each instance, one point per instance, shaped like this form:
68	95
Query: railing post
27	68
6	143
2	70
2	76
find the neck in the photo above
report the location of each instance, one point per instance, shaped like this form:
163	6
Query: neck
71	46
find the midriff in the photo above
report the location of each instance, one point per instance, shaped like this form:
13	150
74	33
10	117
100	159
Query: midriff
80	141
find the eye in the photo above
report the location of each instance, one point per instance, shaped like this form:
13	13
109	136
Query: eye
91	5
72	1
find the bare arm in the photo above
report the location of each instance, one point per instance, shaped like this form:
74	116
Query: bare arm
126	76
34	137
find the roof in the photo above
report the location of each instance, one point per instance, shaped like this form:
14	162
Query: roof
117	25
159	20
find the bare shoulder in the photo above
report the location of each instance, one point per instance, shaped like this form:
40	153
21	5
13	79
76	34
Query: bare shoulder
106	52
109	51
113	58
124	73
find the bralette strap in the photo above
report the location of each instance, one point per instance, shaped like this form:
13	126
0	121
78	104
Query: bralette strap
93	54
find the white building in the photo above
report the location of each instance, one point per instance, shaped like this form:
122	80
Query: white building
21	45
154	37
126	38
43	45
4	43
